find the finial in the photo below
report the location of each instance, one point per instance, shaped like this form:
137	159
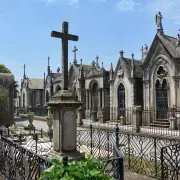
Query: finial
111	69
81	61
93	63
102	66
121	53
58	70
70	64
132	56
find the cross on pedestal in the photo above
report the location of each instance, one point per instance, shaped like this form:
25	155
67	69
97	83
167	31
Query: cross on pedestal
24	71
74	51
65	37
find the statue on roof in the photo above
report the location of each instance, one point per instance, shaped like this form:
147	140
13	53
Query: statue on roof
159	20
178	40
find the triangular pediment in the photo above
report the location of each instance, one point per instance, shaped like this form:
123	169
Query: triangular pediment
157	48
94	72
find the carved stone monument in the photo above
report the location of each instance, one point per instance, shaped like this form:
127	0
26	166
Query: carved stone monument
64	104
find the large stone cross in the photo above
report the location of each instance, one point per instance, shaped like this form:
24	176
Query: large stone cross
97	61
65	37
74	50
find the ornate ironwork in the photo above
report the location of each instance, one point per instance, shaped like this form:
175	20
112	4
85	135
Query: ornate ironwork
170	162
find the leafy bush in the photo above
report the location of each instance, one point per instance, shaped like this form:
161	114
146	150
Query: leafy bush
76	170
4	69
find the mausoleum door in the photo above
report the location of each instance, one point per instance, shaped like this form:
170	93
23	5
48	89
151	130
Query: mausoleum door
23	100
95	96
161	100
121	99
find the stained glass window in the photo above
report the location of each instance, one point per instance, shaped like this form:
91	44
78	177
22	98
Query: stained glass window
161	100
121	96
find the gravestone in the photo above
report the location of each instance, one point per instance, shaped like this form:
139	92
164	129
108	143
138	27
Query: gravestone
64	104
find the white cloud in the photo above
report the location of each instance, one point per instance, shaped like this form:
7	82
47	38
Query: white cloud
51	2
127	5
169	9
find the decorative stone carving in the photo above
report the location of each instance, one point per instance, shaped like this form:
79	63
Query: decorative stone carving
120	73
178	40
161	72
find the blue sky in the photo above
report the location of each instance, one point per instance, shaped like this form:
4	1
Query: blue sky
104	28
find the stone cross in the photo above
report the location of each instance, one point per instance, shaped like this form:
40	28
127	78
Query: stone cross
48	60
24	71
65	37
75	49
97	63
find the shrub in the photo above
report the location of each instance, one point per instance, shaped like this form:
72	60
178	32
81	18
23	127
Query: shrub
85	169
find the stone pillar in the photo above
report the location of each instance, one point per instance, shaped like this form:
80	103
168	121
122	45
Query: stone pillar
173	118
90	100
137	119
99	97
87	99
80	116
103	98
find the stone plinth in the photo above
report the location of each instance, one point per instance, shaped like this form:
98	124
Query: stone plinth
65	104
137	118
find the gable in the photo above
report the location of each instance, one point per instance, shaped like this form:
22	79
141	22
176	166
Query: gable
157	48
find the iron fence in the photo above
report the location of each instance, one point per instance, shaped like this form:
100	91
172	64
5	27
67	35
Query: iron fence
141	152
170	162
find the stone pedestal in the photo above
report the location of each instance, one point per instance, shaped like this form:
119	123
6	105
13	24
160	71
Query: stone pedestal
137	110
172	118
64	104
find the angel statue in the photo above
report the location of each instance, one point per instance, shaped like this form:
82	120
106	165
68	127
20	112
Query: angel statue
178	40
159	20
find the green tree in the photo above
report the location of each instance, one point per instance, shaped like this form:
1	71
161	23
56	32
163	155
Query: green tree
4	69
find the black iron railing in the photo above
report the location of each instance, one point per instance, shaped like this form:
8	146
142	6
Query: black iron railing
170	162
17	162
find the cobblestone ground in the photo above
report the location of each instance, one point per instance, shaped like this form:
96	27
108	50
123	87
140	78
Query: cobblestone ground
42	124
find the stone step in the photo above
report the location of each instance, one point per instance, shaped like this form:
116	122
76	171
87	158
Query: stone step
162	123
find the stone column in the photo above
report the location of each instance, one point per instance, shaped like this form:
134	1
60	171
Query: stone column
173	118
103	98
99	97
87	99
90	100
137	119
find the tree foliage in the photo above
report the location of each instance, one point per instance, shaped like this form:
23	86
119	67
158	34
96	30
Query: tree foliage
4	69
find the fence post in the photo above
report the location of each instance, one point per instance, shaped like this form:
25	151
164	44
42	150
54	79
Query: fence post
121	168
117	136
36	139
108	144
91	138
155	157
136	118
41	133
20	139
129	159
34	129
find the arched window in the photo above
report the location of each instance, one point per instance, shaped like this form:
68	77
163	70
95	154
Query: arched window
121	96
47	96
23	100
161	99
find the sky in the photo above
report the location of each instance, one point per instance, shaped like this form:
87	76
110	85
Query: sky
104	28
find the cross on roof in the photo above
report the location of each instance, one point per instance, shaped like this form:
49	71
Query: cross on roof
48	60
74	50
65	36
97	63
24	71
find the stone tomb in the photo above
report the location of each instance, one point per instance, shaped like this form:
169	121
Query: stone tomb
64	105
